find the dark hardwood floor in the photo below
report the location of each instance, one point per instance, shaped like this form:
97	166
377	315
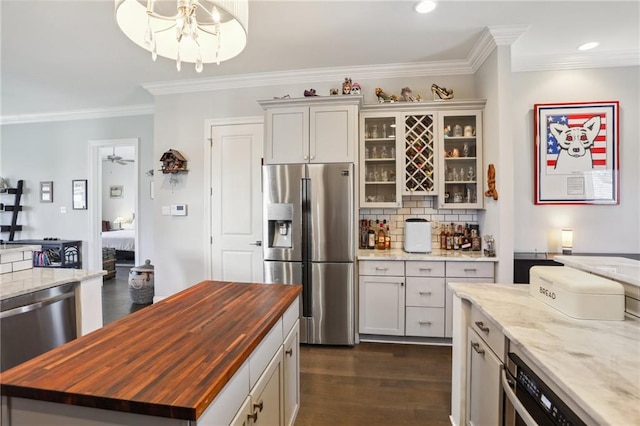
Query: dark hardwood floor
116	302
373	384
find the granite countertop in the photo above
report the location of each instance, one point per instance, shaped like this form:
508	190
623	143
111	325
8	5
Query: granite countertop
436	254
597	363
620	269
17	283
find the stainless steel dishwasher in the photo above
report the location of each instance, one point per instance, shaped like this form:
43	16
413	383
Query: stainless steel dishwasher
34	323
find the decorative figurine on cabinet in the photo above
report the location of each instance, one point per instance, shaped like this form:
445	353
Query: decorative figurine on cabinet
355	89
441	92
406	95
310	92
491	181
346	86
334	92
383	97
173	162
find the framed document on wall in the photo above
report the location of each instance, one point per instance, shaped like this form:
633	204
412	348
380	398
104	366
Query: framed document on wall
79	194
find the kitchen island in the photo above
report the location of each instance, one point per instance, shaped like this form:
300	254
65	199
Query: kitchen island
194	356
594	365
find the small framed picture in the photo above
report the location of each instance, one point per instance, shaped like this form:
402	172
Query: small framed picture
79	194
115	191
46	192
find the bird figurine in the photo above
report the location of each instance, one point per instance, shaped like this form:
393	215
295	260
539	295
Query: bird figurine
441	92
383	97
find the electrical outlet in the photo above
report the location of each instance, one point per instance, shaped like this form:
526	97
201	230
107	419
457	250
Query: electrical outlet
63	210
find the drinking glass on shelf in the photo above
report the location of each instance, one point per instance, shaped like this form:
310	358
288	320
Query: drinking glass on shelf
465	150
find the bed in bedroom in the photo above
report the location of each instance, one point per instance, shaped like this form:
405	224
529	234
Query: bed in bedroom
122	241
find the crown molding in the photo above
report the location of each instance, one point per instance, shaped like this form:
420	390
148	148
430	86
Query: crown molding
83	114
504	35
621	58
306	76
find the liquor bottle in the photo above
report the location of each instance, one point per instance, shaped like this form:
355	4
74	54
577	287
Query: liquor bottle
476	242
466	238
363	233
387	238
381	237
456	238
443	237
371	237
450	238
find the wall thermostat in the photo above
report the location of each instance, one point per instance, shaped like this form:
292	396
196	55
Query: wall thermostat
178	210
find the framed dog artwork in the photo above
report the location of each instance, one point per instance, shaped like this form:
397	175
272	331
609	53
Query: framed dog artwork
577	153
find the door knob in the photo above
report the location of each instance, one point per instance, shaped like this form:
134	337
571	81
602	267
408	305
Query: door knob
257	243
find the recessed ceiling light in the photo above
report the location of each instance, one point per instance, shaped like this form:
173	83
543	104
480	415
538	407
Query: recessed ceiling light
425	6
588	46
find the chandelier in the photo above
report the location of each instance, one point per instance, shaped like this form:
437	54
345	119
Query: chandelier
194	31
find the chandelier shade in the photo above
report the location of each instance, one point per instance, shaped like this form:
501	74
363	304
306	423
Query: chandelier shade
194	31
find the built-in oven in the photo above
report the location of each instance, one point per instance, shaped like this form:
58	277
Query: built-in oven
529	401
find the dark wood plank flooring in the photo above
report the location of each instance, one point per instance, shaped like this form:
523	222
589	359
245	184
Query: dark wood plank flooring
116	302
375	384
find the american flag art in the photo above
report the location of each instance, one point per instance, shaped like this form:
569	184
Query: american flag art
598	150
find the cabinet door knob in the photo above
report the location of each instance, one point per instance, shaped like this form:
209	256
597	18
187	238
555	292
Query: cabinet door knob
253	417
482	327
259	406
289	352
313	157
306	157
476	347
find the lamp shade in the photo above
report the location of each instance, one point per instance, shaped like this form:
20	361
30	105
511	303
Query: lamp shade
567	241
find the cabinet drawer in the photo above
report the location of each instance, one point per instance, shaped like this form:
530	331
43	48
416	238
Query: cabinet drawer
382	267
470	269
488	331
425	322
425	269
427	292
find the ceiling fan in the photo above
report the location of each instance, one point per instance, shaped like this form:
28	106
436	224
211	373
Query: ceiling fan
116	158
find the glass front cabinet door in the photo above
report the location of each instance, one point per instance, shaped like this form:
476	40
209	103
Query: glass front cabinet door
461	169
380	177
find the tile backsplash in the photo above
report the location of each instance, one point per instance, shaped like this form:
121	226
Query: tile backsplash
15	260
420	207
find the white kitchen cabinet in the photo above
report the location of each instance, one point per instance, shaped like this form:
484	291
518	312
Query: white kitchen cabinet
291	375
244	415
311	130
461	169
267	395
483	387
398	155
382	298
464	272
425	315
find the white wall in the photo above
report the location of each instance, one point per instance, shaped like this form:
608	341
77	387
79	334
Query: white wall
115	174
597	228
58	152
179	123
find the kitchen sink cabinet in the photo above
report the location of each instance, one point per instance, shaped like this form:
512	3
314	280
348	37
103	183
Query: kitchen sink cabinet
311	130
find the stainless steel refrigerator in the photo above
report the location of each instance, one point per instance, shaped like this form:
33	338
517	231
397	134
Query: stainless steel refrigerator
309	239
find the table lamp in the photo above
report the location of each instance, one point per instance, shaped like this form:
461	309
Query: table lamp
567	241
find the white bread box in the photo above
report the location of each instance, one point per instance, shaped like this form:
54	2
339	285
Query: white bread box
576	293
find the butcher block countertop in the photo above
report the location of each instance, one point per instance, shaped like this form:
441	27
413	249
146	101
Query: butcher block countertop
170	359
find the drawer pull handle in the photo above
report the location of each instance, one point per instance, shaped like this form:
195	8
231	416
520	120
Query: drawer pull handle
378	268
253	417
424	322
476	347
426	269
289	352
482	327
470	269
425	293
259	406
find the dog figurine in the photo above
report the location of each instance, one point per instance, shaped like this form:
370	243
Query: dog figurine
441	92
575	144
491	180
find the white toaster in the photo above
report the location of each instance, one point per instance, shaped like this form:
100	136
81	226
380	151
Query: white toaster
417	236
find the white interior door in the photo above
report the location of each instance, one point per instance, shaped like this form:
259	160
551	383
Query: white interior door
236	202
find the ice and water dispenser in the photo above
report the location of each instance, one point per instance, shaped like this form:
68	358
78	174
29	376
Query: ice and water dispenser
279	220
